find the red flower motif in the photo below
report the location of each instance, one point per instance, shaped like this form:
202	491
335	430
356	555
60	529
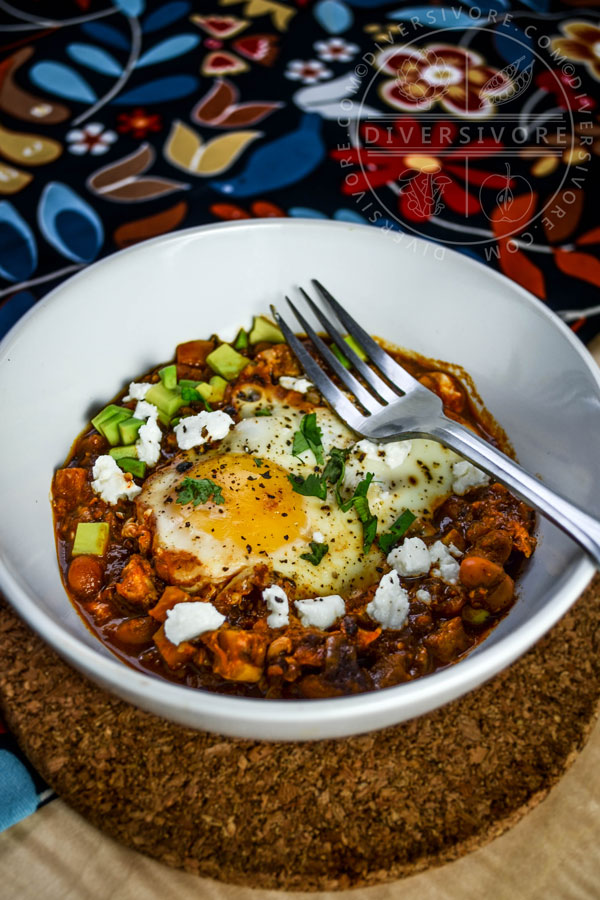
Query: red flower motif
138	123
433	173
561	87
456	78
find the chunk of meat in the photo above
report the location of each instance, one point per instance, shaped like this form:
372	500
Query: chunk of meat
391	669
175	655
137	583
194	353
341	674
449	640
70	483
495	544
170	597
271	364
237	655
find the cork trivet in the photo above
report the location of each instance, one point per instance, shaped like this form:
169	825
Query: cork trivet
325	815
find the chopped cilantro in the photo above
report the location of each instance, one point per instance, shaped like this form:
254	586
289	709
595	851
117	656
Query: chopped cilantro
317	553
335	469
359	501
199	490
312	486
265	411
191	395
309	438
399	528
258	461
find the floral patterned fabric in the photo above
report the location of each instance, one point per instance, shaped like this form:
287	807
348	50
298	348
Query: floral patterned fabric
473	125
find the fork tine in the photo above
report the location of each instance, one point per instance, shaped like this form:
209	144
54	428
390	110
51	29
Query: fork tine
381	387
319	378
382	360
363	396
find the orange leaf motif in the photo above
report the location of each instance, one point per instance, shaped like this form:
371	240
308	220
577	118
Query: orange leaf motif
229	211
150	226
512	213
519	267
579	265
590	237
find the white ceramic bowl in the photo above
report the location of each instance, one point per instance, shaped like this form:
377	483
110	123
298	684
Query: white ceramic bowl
104	326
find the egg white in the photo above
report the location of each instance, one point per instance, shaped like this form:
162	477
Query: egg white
263	520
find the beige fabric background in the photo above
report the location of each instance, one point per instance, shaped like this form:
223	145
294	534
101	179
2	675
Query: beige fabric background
552	854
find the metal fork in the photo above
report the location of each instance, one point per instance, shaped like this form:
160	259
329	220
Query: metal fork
396	406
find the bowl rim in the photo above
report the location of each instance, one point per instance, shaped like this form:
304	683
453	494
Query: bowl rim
314	713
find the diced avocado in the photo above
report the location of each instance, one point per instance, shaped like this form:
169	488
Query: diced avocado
110	427
227	362
474	616
175	421
135	466
168	376
340	356
265	330
168	401
128	452
164	418
129	430
241	341
107	414
212	391
91	539
218	386
353	346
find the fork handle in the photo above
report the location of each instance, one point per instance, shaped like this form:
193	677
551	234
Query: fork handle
574	521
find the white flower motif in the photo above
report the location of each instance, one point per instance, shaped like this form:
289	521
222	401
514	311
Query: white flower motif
92	138
307	71
336	50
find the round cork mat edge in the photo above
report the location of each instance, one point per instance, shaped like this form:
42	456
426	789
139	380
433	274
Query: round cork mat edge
327	815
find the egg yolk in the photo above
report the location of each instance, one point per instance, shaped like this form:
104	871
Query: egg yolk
260	507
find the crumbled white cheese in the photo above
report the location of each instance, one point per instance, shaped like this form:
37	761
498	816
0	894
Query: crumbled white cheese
302	385
466	476
188	620
411	558
145	410
148	442
423	595
392	454
389	606
320	611
137	391
194	431
111	482
277	604
318	537
447	566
